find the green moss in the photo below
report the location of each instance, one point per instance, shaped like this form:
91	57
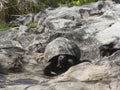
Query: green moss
4	27
32	25
13	25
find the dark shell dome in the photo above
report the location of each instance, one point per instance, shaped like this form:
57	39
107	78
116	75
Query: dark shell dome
61	46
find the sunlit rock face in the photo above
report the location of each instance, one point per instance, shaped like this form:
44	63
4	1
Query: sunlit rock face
94	28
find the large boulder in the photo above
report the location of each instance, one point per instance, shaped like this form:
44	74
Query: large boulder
93	76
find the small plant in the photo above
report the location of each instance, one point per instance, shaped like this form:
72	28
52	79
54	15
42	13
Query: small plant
75	2
3	27
32	25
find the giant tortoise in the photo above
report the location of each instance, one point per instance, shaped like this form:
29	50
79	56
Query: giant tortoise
60	55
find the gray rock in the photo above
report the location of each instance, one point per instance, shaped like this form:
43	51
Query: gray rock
94	76
10	63
18	87
39	87
117	1
84	86
39	17
63	18
23	20
28	19
110	34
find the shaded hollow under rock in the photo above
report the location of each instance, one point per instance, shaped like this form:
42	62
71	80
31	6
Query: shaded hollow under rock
107	50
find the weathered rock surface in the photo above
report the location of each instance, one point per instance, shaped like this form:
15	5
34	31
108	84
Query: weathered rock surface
90	26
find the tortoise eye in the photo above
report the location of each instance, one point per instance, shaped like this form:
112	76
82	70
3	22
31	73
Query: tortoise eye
61	57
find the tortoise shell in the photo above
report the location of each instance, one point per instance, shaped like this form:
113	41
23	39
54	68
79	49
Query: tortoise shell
61	46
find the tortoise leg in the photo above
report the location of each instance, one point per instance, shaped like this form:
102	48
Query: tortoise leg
49	69
71	62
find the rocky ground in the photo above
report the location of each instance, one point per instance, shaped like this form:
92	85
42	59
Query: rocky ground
93	27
